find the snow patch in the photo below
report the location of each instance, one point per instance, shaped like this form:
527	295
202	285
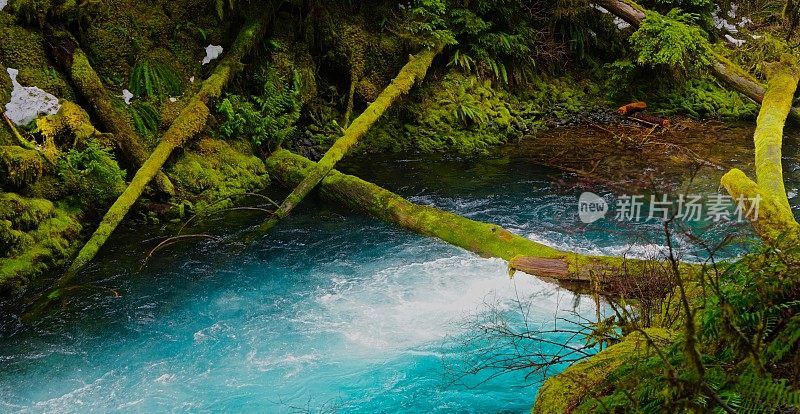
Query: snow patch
734	41
127	96
28	102
212	52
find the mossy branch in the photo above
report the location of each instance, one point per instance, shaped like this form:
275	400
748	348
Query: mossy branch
189	122
412	72
775	219
115	120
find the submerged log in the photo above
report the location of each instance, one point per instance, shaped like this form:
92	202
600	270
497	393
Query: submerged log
484	239
189	122
775	220
412	72
722	68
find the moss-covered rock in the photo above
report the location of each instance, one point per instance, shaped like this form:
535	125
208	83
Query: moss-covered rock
215	171
23	49
20	167
37	237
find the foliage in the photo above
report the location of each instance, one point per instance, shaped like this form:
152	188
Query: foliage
672	40
145	117
91	175
704	98
155	80
747	342
499	40
219	5
266	119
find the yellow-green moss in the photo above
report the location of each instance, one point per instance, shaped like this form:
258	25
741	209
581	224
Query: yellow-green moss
214	172
20	167
775	217
562	393
23	49
39	237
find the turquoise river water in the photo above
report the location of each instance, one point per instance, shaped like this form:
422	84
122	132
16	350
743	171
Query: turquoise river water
332	312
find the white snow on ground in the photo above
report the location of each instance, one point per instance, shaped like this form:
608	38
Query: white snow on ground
212	52
127	96
28	102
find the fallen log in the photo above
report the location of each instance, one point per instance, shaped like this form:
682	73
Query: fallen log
189	122
484	239
116	122
722	68
774	221
412	72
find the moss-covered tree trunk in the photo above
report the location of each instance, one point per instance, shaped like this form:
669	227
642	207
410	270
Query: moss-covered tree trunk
189	122
722	68
413	71
88	83
485	239
775	219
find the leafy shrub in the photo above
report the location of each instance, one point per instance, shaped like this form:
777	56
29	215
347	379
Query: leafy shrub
671	40
266	119
91	175
747	342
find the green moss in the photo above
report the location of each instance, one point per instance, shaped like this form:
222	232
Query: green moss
91	176
214	172
23	49
20	167
38	238
564	392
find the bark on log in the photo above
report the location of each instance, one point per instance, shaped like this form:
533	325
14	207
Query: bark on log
722	68
484	239
775	221
88	83
412	72
189	122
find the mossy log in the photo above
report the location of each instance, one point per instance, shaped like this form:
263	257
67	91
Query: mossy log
117	122
775	219
565	391
189	122
413	71
722	68
484	239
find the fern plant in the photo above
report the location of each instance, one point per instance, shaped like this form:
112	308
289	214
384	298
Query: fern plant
267	119
155	80
145	117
